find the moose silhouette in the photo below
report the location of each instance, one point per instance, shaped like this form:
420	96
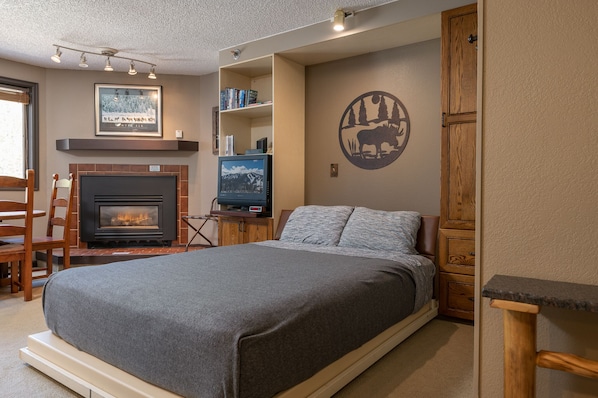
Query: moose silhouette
377	136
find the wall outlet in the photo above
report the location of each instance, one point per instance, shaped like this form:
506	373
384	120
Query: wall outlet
154	167
179	133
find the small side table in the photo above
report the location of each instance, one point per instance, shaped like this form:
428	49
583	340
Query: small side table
203	219
521	300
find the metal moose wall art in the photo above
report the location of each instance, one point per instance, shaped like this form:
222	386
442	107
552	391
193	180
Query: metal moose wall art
370	134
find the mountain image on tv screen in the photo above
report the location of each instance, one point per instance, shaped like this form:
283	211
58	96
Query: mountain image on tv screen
242	176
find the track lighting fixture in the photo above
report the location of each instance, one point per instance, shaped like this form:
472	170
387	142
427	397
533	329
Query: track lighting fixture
132	70
108	53
338	21
56	57
83	61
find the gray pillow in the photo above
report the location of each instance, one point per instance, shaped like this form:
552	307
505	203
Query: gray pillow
318	225
381	230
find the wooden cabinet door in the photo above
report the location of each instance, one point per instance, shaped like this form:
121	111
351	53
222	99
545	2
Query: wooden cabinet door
458	143
230	231
456	295
258	230
239	230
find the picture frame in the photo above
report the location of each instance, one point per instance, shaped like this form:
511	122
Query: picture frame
215	132
128	110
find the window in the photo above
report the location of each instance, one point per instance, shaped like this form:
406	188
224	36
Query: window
19	132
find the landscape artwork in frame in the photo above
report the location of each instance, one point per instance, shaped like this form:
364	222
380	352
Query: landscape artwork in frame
127	110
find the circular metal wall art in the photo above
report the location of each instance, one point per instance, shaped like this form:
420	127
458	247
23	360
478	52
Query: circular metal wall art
374	130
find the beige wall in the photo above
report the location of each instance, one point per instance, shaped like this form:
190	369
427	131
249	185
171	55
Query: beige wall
67	111
539	174
411	73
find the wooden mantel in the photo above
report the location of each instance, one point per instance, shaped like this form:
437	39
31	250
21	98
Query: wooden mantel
99	144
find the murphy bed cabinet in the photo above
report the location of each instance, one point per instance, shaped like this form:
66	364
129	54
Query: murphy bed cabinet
456	257
279	116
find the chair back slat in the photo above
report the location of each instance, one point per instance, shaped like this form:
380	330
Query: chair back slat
61	196
10	182
11	205
58	222
11	230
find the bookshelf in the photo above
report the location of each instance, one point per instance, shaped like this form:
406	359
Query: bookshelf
279	116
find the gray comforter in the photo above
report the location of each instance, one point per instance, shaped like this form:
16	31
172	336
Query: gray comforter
236	321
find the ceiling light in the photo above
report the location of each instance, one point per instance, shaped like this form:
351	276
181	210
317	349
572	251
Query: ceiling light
108	67
83	61
132	70
338	22
108	53
56	57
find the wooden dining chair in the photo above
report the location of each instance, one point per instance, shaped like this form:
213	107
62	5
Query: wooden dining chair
18	255
58	227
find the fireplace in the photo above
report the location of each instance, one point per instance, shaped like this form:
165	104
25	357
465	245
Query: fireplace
118	210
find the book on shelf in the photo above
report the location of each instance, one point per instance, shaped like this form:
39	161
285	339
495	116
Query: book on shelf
233	98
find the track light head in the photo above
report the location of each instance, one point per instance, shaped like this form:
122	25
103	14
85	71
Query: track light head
152	74
108	67
56	57
132	70
83	61
338	21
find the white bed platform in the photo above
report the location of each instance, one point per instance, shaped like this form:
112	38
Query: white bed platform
91	377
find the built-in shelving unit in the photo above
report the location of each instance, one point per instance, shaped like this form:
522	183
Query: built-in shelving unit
82	144
279	116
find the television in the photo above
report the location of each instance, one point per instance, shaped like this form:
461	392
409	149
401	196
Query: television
245	181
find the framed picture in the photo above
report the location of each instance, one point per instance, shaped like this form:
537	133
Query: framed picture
126	110
215	132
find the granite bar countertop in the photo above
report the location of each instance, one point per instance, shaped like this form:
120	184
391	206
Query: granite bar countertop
565	295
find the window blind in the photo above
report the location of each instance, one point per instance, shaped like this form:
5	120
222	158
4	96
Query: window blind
14	95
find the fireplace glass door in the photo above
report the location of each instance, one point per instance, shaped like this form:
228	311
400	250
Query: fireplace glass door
142	217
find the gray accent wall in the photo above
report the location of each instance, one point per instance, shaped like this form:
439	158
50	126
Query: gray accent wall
412	182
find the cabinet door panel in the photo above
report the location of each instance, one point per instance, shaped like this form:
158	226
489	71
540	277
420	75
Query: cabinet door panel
456	251
229	232
459	60
458	96
456	295
458	183
258	230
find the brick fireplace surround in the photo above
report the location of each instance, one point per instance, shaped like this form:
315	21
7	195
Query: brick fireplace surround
180	171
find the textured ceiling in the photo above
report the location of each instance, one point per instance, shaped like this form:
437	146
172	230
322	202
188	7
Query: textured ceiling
179	36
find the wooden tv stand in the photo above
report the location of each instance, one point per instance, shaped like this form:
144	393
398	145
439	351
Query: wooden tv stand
238	227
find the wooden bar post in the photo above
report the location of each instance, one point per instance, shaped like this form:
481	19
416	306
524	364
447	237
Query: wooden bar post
520	354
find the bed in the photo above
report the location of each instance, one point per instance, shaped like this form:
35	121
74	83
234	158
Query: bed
298	316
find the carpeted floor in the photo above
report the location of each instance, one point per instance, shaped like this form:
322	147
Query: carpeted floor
437	361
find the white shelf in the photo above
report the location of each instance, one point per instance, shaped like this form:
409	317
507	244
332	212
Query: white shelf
251	112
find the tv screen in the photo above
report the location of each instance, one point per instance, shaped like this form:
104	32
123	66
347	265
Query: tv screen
244	180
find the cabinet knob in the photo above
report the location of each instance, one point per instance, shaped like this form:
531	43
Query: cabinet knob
472	254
